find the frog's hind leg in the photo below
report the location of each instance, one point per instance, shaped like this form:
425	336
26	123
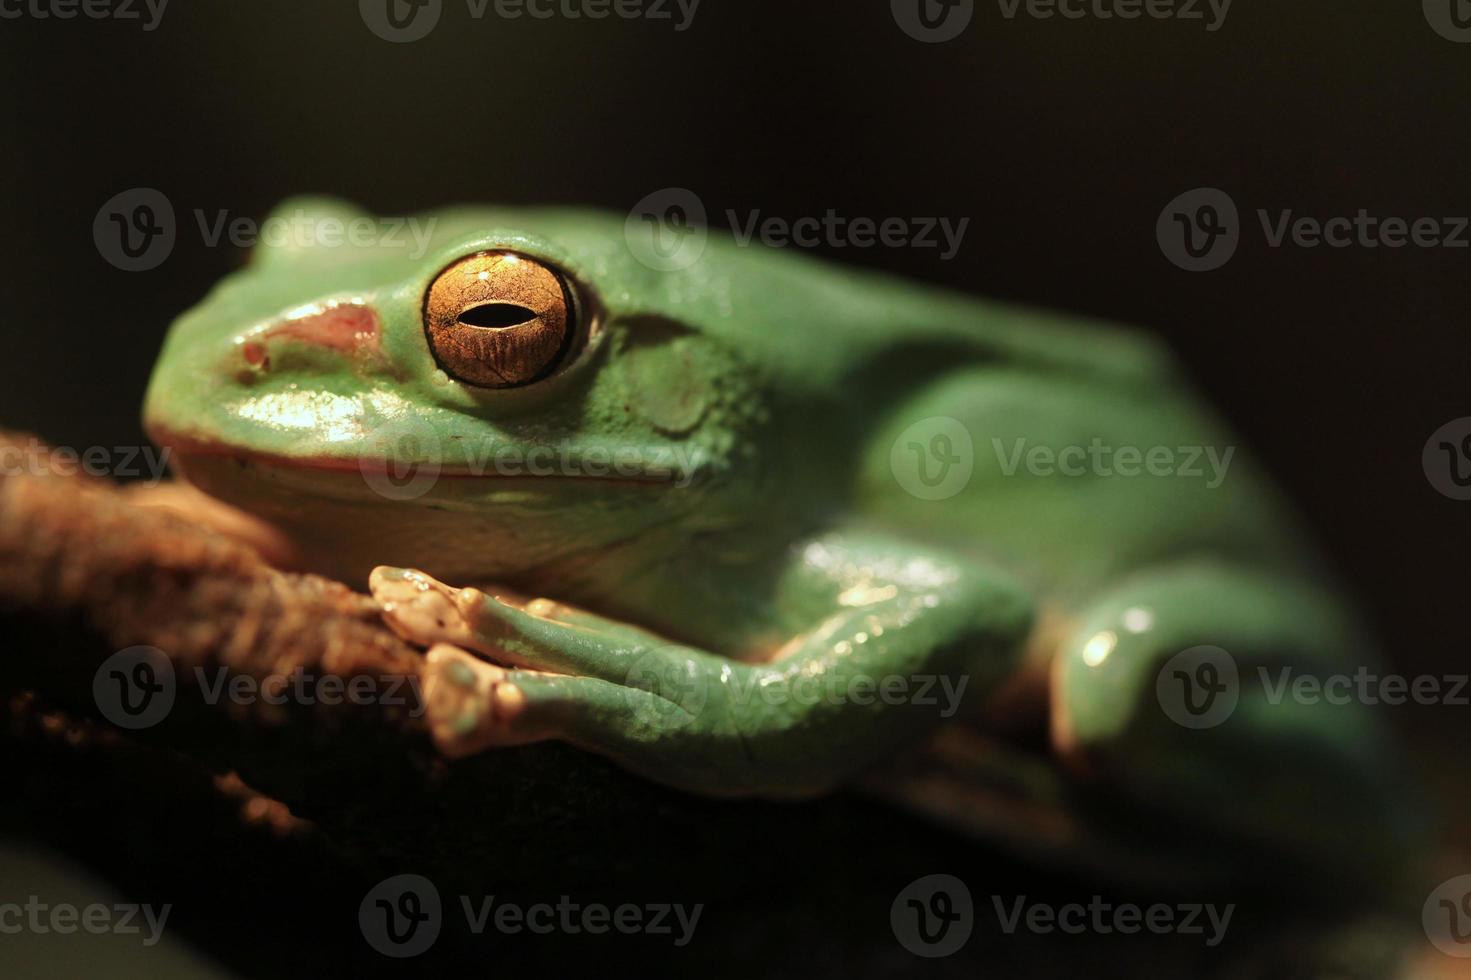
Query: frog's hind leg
1180	693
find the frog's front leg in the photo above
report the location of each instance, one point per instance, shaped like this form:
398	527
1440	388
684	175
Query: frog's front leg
884	639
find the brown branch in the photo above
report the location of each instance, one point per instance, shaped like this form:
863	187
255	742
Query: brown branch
85	573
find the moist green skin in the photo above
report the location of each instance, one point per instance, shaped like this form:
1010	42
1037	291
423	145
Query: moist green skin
785	383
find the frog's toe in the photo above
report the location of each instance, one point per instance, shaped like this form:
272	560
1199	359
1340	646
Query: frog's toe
423	610
471	705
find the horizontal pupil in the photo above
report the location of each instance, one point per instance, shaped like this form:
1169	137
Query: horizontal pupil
496	316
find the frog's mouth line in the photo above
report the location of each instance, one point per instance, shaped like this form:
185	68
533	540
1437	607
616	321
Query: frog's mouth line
538	466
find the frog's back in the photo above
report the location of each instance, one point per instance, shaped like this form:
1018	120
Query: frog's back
1071	450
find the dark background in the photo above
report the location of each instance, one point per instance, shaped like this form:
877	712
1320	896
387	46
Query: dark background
1060	140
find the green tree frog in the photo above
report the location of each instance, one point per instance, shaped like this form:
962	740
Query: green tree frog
754	525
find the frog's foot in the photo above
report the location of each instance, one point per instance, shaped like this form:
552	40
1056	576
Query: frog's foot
470	704
423	610
504	627
473	706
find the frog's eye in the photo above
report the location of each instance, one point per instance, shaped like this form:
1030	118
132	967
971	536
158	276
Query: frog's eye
499	319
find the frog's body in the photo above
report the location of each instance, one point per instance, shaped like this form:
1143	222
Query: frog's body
780	516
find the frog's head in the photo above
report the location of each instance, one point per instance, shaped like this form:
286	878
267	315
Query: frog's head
479	393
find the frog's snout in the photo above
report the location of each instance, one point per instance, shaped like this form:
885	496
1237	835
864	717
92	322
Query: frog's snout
351	329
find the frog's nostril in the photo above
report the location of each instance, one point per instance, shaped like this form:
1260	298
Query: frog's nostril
345	327
255	355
